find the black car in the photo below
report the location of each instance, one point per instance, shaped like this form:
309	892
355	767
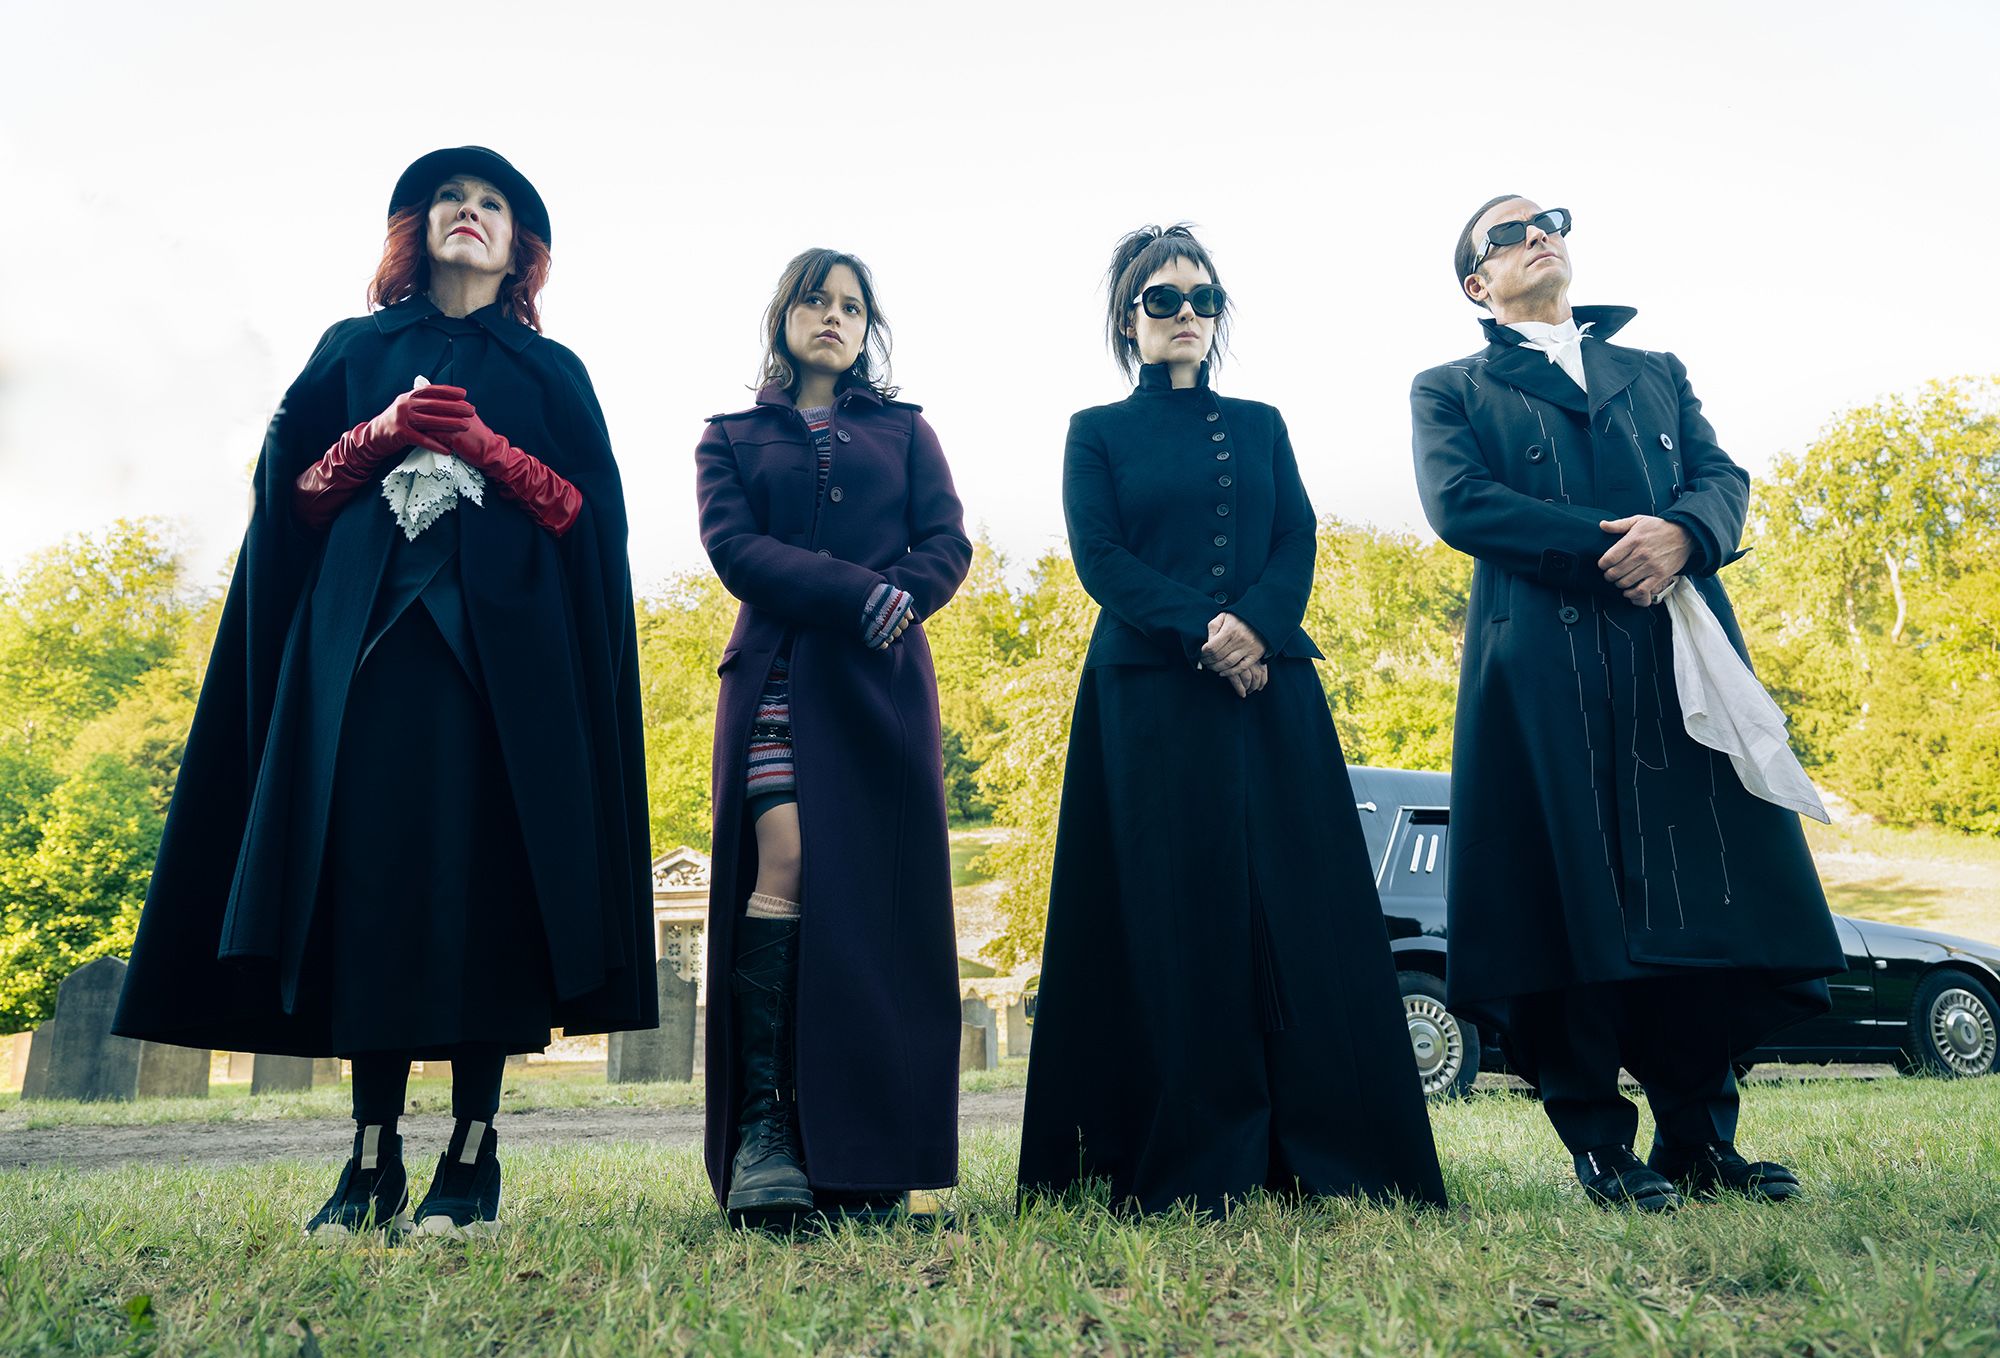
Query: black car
1922	1000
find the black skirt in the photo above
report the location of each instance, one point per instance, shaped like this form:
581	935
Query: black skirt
427	935
1218	1010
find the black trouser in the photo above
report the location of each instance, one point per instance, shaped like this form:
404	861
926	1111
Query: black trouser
1670	1033
382	1080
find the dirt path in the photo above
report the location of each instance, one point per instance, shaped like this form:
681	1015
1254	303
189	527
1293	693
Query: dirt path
220	1144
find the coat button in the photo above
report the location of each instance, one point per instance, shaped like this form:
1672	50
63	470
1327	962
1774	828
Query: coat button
1220	597
1223	510
1222	539
1667	443
824	552
1535	454
1222	481
1216	437
1212	570
1546	499
1568	613
836	495
1222	456
1213	416
1677	490
841	434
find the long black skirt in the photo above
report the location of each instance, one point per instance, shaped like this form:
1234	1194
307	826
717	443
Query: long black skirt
1218	1010
426	935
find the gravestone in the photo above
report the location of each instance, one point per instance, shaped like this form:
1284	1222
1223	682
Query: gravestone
280	1074
14	1059
979	1014
665	1052
972	1048
517	1061
1019	1034
86	1061
243	1066
35	1079
170	1072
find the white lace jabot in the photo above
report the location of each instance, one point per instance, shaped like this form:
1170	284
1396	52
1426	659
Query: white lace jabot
426	486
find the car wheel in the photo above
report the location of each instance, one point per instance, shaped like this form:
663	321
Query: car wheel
1954	1025
1446	1047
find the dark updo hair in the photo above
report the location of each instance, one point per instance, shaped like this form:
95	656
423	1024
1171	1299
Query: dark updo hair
806	273
1465	259
1141	254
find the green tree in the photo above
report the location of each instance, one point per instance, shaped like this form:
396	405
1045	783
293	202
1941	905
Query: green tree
76	895
1023	755
1870	607
1388	610
683	629
81	622
973	638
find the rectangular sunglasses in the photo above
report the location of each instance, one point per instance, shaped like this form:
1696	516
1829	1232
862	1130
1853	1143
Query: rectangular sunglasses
1164	299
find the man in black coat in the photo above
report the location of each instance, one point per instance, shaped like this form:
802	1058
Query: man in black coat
1615	896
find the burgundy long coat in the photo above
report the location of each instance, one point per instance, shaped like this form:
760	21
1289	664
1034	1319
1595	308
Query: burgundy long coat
878	971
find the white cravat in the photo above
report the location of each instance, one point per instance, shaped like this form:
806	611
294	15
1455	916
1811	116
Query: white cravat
1562	342
1725	708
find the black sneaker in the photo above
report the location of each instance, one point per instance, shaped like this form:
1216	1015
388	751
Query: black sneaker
373	1192
464	1196
1614	1177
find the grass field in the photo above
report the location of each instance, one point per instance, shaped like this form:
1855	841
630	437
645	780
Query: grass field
617	1249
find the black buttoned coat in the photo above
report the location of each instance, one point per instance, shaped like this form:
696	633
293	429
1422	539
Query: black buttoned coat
878	962
1592	840
1218	1010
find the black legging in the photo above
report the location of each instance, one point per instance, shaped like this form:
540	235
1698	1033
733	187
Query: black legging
382	1082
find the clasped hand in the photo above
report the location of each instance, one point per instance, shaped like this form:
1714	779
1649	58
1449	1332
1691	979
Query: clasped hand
1649	553
1235	653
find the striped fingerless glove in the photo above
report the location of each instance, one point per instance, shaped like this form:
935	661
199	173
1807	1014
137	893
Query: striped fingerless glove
885	608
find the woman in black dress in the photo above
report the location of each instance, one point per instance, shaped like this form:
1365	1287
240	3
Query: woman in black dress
411	822
1218	1011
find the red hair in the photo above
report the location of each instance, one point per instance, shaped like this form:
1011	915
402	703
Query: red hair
405	269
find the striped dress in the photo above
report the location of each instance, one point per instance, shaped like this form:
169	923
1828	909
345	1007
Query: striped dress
771	772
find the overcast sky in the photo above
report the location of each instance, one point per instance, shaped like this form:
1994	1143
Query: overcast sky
1801	199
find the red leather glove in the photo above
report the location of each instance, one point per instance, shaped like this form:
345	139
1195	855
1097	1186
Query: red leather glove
550	501
420	418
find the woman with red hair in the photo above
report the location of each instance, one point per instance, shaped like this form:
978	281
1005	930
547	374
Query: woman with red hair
411	821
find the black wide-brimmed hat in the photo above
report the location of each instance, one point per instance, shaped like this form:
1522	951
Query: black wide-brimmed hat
420	181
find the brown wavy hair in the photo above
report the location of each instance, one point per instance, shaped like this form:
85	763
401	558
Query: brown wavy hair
807	273
405	269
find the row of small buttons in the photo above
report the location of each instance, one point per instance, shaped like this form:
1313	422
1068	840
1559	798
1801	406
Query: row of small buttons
1221	508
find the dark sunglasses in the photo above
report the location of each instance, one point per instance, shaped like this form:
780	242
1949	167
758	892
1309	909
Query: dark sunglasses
1164	299
1554	222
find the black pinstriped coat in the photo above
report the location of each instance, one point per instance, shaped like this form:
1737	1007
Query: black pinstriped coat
1591	838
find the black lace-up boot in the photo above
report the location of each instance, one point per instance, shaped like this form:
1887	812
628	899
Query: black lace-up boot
767	1180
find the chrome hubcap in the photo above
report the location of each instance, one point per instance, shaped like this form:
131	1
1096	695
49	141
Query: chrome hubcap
1963	1032
1436	1040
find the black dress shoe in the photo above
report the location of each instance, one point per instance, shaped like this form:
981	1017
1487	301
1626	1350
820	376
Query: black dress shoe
1714	1167
1614	1177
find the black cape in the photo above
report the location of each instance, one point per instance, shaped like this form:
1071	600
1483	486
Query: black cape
218	958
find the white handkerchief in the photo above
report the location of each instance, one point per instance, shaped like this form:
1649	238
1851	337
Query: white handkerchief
1726	709
426	486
